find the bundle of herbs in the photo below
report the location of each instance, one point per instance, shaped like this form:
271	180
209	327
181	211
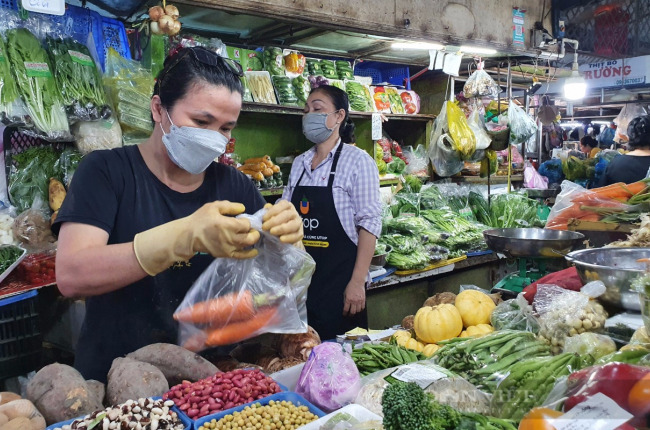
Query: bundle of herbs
514	210
464	235
79	79
36	84
12	107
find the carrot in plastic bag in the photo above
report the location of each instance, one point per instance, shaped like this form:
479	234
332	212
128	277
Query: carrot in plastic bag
242	330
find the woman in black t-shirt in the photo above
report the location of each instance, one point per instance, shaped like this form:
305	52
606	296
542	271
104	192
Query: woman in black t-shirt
635	165
141	223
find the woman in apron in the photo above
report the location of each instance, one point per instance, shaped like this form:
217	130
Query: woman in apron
335	188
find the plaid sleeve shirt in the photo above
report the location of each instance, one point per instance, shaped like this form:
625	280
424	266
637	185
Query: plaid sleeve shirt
355	187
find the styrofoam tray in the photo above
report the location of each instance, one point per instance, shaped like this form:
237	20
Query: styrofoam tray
357	411
13	266
279	397
289	377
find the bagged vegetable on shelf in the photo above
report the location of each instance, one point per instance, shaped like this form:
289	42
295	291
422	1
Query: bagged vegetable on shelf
29	176
330	378
234	300
410	101
313	67
284	90
13	111
36	84
463	138
79	80
480	84
344	70
359	95
396	105
301	89
261	87
95	135
329	69
417	161
380	98
273	61
294	63
522	126
483	139
588	343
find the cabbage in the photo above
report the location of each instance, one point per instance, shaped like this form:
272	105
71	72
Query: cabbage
596	345
330	378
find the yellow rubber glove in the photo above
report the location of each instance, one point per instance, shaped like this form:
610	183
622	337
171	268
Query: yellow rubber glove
211	229
282	220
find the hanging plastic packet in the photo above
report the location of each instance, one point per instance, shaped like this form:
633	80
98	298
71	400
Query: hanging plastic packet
445	159
480	84
522	126
462	136
474	122
234	300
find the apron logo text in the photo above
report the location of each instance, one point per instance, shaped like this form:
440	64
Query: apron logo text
310	223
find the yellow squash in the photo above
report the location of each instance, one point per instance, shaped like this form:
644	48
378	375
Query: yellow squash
401	337
414	345
474	307
57	194
430	349
479	330
442	322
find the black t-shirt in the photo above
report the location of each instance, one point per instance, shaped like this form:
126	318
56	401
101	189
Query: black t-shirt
627	169
115	191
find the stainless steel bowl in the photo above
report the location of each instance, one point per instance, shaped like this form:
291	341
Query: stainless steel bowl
532	242
616	268
379	261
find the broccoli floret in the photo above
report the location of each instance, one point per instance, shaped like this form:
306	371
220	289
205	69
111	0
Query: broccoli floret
407	407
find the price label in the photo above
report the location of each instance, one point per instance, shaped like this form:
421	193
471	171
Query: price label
81	58
37	70
596	413
420	374
376	126
51	7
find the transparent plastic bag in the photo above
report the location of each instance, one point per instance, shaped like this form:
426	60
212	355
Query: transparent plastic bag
416	161
330	378
564	313
234	300
93	136
444	157
32	229
522	126
480	84
515	314
447	388
463	138
474	122
627	114
596	345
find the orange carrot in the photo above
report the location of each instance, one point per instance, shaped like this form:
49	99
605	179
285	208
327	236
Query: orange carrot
229	308
637	187
242	330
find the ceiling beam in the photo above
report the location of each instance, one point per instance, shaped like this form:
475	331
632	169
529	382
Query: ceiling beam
374	49
315	32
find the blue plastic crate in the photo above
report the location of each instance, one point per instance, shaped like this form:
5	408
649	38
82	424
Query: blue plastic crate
288	396
396	75
186	421
78	23
20	335
370	72
9	4
383	72
115	37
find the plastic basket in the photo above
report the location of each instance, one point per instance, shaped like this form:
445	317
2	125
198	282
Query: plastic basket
114	35
186	421
20	335
396	75
288	396
79	22
375	74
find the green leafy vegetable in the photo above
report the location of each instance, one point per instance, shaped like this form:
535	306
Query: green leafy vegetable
359	96
78	78
514	210
396	166
417	259
412	184
33	73
8	256
400	243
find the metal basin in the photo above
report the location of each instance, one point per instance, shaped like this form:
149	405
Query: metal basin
379	261
616	268
532	242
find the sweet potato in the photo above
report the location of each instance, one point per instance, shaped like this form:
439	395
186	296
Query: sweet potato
60	393
133	379
20	423
97	388
175	362
7	396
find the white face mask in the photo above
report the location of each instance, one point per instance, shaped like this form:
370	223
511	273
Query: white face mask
314	127
193	149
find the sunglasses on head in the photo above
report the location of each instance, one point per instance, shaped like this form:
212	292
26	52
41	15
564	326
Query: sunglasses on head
207	57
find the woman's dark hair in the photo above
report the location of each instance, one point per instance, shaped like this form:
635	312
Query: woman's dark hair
638	131
190	66
589	141
340	100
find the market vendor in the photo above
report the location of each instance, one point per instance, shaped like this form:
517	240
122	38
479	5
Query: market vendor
335	187
634	165
141	223
589	146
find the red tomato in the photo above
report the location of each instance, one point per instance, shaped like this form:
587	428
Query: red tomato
406	97
50	274
410	108
639	397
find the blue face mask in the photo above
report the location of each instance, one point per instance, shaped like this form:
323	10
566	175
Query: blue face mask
193	149
314	127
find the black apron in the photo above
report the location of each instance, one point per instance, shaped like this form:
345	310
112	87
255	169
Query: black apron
335	255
